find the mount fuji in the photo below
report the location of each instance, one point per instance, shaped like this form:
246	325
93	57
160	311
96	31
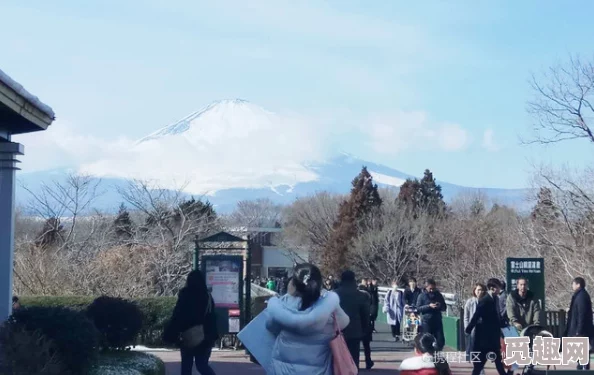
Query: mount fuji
233	150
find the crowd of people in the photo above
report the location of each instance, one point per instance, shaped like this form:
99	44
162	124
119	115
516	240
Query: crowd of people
491	311
309	311
275	284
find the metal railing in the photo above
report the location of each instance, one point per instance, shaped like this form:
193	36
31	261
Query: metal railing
450	299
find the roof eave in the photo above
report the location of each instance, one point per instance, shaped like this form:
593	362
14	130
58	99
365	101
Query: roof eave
24	108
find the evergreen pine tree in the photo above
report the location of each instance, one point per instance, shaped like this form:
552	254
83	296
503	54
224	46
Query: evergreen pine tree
432	198
424	194
123	225
51	234
545	209
363	200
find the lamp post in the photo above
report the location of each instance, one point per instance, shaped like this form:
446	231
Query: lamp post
248	289
196	253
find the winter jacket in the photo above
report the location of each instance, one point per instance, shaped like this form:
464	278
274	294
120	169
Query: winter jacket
356	304
486	325
393	307
523	310
469	310
271	285
431	317
302	345
189	311
374	293
411	296
579	319
503	308
281	288
424	365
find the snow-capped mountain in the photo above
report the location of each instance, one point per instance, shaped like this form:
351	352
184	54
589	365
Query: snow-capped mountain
228	144
233	150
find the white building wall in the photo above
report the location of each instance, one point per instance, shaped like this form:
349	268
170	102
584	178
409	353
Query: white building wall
278	257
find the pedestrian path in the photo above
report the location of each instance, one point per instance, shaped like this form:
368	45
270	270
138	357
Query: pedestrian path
386	353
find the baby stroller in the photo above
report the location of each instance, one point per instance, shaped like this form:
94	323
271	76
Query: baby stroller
532	331
409	327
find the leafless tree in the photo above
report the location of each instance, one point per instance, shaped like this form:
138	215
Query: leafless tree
391	244
91	260
308	224
472	244
72	198
259	213
64	266
567	242
563	103
172	222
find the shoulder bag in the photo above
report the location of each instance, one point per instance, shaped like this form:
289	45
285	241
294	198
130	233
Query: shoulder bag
342	361
194	336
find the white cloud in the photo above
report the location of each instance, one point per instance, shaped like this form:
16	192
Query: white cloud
230	146
452	137
489	142
403	131
64	145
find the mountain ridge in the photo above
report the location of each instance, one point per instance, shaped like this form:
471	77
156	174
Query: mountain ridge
335	176
206	148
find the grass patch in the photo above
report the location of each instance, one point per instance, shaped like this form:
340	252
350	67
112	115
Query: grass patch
128	363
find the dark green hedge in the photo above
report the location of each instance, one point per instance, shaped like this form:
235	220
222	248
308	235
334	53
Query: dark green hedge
156	312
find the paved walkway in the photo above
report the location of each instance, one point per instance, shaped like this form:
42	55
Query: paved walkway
386	353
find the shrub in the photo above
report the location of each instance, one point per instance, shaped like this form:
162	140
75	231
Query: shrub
73	334
156	312
78	303
128	363
23	352
118	321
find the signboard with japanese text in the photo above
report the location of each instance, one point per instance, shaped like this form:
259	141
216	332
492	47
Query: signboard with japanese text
530	268
223	277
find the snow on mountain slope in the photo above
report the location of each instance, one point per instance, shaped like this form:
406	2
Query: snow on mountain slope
386	180
228	144
233	150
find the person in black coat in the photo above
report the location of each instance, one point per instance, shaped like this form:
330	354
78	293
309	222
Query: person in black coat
283	283
368	335
411	294
356	304
486	323
579	320
430	305
192	310
373	291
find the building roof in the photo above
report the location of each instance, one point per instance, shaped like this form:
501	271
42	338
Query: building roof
21	111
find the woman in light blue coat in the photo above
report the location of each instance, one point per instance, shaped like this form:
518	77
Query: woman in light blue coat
394	309
303	322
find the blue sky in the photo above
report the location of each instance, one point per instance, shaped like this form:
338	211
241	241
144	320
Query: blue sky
413	85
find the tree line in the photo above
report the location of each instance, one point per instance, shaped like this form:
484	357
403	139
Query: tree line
68	247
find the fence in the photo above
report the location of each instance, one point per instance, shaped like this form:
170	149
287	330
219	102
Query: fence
451	320
453	323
